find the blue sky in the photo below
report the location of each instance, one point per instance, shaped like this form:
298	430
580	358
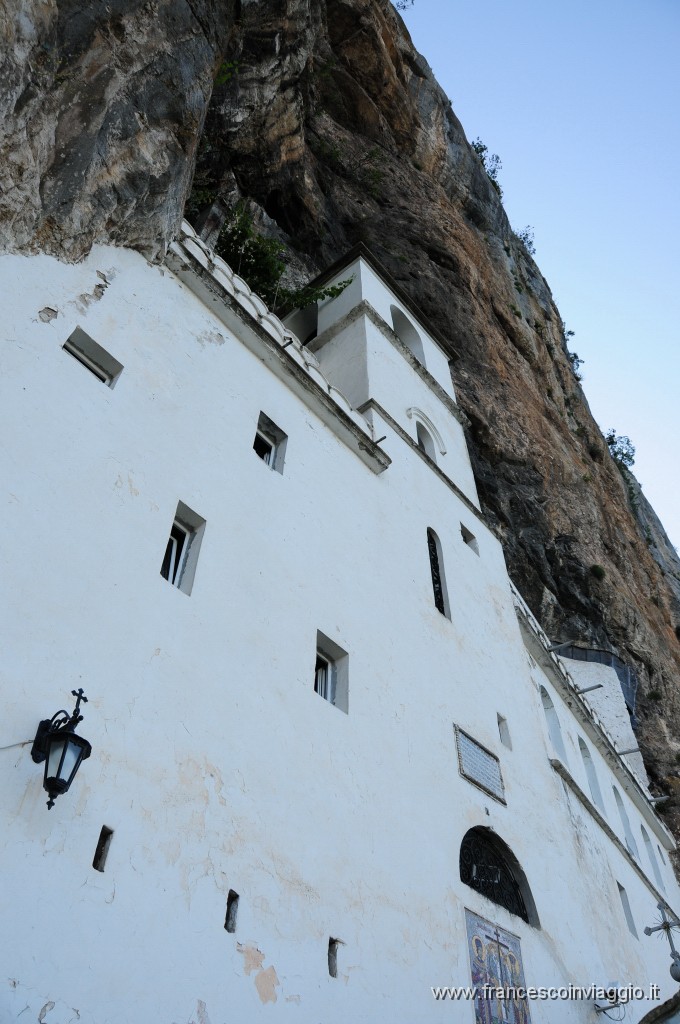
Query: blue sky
580	101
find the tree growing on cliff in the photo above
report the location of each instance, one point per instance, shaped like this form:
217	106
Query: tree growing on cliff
491	163
621	448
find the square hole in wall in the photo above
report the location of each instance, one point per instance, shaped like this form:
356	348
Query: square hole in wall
270	443
469	539
331	672
92	356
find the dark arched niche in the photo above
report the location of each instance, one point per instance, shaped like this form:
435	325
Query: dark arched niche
490	867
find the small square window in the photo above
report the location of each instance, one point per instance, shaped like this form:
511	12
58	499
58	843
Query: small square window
181	552
92	356
469	539
331	672
270	443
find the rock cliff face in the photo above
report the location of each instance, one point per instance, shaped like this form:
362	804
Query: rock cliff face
328	121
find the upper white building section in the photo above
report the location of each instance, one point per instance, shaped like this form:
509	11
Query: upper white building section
381	353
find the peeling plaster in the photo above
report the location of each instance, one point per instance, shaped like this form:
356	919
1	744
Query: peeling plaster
266	979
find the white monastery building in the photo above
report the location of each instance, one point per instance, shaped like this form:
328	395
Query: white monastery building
335	764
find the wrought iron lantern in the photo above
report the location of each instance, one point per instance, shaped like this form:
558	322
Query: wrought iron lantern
57	744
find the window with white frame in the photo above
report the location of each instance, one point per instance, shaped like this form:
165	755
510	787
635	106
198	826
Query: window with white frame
270	443
181	551
331	672
93	357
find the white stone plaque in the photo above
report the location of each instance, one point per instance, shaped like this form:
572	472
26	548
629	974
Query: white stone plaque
479	765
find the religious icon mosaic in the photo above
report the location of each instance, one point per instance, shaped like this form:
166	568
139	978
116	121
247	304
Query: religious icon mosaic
497	973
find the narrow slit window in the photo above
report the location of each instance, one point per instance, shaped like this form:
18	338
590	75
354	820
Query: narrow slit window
333	957
102	850
437	572
591	776
181	552
553	723
232	911
652	857
625	823
93	357
331	672
270	443
627	912
504	731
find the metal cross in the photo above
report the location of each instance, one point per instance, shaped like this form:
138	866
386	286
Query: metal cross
666	925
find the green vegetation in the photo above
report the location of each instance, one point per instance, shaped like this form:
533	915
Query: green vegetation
259	261
526	237
227	70
575	363
621	448
598	571
491	162
655	695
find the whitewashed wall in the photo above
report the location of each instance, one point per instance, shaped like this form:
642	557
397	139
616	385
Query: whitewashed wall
213	760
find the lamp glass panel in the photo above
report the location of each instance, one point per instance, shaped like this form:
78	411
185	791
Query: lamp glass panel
71	758
54	758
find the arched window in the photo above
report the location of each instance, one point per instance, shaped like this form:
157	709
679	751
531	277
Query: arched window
652	857
441	599
425	441
406	332
591	775
630	841
553	725
489	867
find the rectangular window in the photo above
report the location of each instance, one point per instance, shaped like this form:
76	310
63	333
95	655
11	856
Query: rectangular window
181	552
479	765
95	358
270	443
331	672
324	679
